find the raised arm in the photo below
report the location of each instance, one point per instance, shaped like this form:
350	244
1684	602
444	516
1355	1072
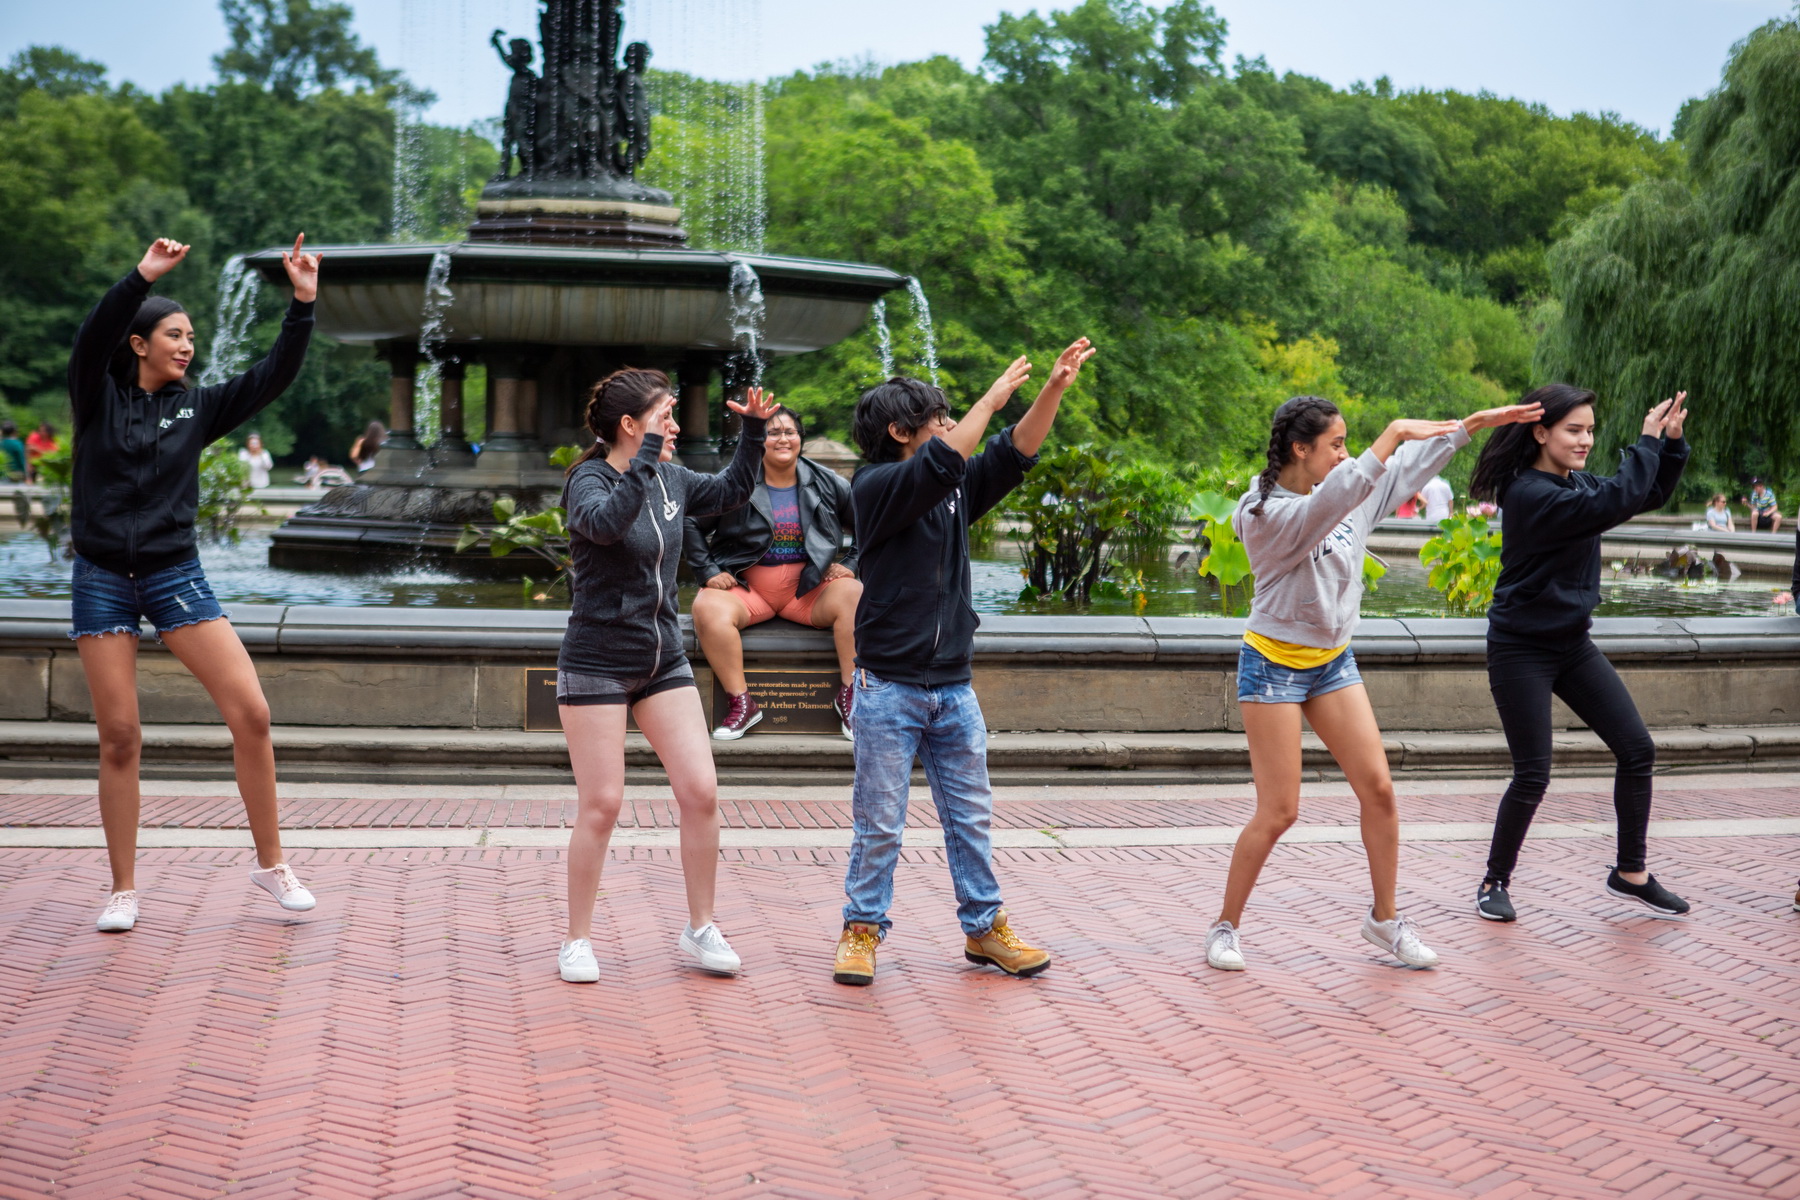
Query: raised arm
731	488
1029	434
110	319
1674	452
601	508
237	400
965	436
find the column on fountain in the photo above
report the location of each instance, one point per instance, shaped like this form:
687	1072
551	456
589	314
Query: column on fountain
452	447
697	446
511	454
401	456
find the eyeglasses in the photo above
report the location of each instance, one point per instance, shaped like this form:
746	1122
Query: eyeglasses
783	434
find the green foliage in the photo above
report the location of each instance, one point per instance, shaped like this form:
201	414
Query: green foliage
295	46
1226	561
224	487
543	533
1464	563
52	523
1070	509
1694	283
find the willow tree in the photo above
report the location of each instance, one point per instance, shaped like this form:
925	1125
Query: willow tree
1695	283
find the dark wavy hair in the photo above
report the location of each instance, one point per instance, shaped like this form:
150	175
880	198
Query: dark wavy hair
151	313
1512	448
627	392
908	403
1301	419
782	410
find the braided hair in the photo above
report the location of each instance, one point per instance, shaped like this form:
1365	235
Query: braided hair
627	392
1301	419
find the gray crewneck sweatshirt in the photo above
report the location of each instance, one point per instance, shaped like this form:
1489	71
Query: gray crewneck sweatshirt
1307	551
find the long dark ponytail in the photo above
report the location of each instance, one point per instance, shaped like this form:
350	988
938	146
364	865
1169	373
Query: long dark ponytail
627	392
1301	419
1512	448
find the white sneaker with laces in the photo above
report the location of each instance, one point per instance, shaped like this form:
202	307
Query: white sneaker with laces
119	914
576	962
709	950
1222	950
1400	938
280	882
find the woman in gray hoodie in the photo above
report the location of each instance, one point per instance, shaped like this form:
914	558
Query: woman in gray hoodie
1305	526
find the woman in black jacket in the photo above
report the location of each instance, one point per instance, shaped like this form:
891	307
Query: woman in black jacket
139	434
778	556
1552	515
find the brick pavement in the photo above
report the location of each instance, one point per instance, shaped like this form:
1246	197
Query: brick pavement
410	1039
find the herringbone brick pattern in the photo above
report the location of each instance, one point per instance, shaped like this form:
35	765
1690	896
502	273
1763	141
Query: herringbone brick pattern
1015	808
410	1038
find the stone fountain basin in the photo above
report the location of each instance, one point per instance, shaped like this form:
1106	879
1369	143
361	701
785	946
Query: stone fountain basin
574	296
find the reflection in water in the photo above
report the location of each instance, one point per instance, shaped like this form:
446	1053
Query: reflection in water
241	574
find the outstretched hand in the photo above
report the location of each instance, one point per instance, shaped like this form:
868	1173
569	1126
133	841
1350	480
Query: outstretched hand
1406	430
163	256
1661	416
302	271
1677	417
757	403
1512	414
1010	381
1069	364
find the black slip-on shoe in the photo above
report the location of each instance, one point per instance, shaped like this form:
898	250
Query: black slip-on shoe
1651	894
1492	903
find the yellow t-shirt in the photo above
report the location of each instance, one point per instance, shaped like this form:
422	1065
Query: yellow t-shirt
1294	658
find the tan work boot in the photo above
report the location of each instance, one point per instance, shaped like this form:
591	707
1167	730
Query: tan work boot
856	954
1001	947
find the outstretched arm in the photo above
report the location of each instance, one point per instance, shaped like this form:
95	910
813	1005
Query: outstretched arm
239	399
965	436
106	325
731	488
1034	426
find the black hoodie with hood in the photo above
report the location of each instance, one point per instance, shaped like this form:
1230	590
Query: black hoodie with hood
136	482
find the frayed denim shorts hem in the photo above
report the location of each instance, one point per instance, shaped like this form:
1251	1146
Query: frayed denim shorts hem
1261	681
102	602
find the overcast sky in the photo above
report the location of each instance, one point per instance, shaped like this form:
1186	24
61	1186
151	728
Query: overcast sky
1639	58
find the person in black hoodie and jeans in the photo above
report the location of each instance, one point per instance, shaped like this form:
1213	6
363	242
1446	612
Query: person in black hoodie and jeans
135	490
626	507
1552	516
921	488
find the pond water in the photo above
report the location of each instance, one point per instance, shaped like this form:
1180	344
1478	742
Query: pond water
241	574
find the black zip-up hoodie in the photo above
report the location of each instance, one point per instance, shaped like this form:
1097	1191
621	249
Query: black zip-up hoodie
625	533
136	482
1550	540
916	621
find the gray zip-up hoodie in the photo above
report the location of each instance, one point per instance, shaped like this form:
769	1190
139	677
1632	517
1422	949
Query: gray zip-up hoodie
625	542
1307	551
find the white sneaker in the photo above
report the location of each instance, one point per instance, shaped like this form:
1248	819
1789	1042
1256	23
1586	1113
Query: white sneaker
279	881
709	950
576	962
119	914
1400	938
1222	950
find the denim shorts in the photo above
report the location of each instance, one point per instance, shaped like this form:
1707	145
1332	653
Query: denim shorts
577	689
103	602
1261	681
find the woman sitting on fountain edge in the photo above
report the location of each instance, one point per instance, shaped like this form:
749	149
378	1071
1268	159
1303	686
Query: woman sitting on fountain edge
777	556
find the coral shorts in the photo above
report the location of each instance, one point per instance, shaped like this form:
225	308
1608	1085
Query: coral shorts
770	594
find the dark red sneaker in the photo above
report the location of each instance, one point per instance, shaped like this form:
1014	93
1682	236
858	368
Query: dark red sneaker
840	704
742	714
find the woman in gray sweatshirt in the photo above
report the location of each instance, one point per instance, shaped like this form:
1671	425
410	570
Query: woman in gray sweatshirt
1305	526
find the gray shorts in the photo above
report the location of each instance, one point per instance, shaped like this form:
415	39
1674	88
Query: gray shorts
573	688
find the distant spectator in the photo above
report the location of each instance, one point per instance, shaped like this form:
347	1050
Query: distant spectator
321	474
364	448
12	453
1764	513
39	442
259	460
1440	498
1411	508
1718	515
1787	597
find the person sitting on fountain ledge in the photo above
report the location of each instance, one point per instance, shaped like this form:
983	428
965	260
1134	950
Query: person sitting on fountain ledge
922	487
777	556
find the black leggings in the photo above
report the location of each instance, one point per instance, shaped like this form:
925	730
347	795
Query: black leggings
1523	678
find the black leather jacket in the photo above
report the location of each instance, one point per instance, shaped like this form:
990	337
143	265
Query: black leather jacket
737	539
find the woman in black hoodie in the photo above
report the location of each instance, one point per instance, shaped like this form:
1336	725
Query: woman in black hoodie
627	506
1552	516
139	434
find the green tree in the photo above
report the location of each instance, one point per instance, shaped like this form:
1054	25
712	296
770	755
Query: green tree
296	47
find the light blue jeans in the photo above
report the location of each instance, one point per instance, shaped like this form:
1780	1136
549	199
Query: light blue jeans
944	728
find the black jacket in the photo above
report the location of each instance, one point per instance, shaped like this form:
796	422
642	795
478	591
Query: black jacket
916	623
737	539
135	488
624	538
1550	540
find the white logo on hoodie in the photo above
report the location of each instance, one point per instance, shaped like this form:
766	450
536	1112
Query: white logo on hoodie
181	414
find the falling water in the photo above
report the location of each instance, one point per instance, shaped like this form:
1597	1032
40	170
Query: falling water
922	316
238	289
747	316
438	298
408	221
884	339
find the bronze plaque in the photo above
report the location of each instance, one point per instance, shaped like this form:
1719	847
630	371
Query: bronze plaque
791	701
540	701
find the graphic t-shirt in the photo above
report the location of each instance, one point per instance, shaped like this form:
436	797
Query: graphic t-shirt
788	543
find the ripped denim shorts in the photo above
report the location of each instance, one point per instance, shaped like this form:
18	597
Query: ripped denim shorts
1263	682
103	602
